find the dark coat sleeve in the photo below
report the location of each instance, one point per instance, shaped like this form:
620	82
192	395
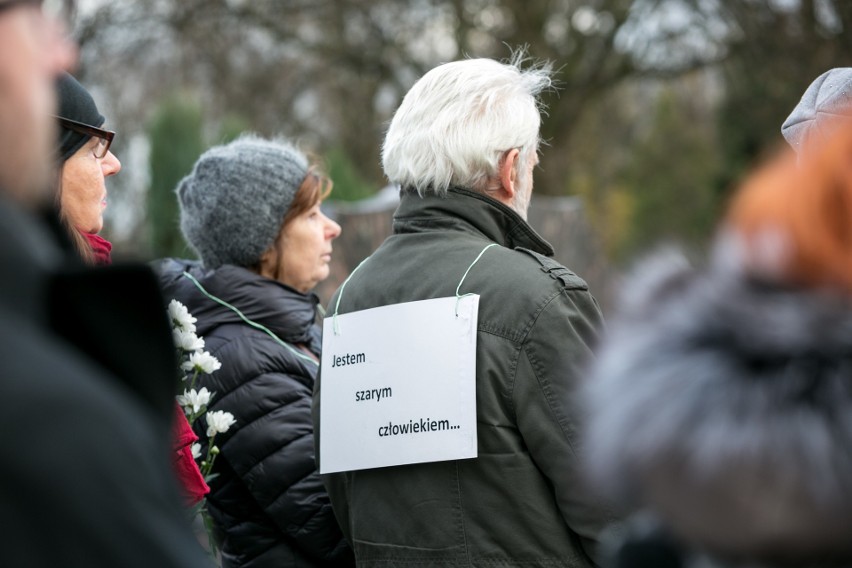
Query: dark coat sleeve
84	469
130	311
551	367
270	448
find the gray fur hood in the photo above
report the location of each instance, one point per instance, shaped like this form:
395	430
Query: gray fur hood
725	405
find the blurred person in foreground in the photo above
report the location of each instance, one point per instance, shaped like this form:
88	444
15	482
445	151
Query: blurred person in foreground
722	399
85	161
84	469
251	210
462	146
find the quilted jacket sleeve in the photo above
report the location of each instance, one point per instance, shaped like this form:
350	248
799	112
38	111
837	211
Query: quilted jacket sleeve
550	369
270	448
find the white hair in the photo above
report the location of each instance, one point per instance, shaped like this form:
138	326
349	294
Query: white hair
455	124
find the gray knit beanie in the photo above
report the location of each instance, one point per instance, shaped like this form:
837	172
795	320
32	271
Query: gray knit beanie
828	97
233	203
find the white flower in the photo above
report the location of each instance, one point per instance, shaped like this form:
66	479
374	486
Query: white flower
196	451
194	399
202	361
219	422
187	340
180	317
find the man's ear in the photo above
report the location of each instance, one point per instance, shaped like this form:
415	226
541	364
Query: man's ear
509	174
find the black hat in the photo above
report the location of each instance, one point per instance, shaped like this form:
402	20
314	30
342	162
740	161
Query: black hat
75	103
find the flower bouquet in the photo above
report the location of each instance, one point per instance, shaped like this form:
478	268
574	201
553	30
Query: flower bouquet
194	362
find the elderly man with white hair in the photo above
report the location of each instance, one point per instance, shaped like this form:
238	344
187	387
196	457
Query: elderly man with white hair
462	147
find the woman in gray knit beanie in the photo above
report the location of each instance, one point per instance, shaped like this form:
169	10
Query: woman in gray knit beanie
251	210
238	197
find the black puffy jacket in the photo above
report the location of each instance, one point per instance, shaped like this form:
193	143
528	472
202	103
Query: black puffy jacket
268	501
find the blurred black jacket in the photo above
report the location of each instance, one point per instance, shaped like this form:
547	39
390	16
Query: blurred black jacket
87	374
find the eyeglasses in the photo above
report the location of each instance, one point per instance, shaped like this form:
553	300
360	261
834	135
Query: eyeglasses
104	136
57	10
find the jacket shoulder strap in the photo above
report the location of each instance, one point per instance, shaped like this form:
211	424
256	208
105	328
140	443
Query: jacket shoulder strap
552	268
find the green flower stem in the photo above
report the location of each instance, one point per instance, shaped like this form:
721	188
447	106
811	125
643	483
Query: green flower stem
208	526
212	452
194	378
206	468
193	416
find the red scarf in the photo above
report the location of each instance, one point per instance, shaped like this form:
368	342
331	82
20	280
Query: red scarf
191	481
100	248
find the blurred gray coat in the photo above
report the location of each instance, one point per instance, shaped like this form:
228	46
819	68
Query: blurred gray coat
724	404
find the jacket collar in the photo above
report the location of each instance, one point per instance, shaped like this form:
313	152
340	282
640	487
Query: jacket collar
289	314
467	211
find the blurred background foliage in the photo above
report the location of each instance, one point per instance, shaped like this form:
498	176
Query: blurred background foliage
662	104
175	137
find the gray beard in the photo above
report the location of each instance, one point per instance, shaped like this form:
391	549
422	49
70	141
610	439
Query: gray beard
521	201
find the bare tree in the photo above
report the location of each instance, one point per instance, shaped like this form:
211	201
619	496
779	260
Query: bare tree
331	72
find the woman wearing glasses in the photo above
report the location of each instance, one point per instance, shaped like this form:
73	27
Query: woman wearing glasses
85	162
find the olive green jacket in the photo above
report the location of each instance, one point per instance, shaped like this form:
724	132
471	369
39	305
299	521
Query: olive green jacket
521	502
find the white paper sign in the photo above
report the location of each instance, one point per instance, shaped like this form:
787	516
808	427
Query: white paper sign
399	385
